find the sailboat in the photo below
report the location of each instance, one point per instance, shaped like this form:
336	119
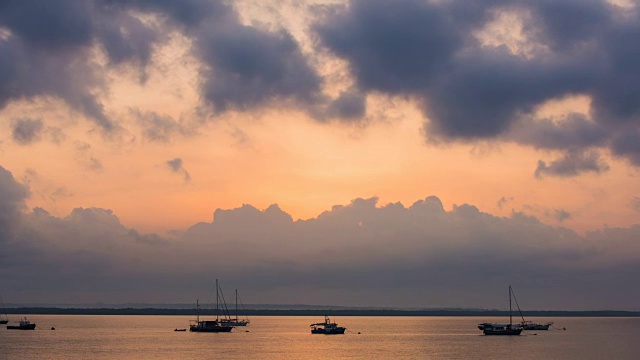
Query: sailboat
209	325
529	325
5	319
502	329
236	321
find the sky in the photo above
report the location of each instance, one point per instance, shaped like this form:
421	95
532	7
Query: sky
412	153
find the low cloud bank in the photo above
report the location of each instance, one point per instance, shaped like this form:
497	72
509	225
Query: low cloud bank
362	253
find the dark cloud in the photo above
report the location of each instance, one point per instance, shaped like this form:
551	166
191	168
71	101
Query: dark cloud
176	166
26	131
561	215
574	131
348	105
428	51
572	164
248	68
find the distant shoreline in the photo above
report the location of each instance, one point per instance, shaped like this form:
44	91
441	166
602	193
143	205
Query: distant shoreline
316	312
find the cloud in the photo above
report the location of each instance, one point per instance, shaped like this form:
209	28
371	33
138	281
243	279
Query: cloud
572	164
561	215
12	195
504	200
176	166
635	203
471	90
26	131
353	254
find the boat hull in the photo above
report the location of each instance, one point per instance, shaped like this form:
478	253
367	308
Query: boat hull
2	322
212	330
503	332
21	327
537	327
336	331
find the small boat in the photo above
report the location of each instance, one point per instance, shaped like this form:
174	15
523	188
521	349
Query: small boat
502	329
209	325
23	325
327	327
180	330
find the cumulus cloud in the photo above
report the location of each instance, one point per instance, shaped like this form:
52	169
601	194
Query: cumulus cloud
12	196
353	254
573	163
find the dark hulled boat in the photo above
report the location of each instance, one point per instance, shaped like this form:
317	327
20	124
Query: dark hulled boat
23	325
209	325
502	329
327	327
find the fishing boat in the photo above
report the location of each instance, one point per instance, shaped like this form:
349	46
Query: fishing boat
209	325
236	321
327	327
502	329
23	325
5	319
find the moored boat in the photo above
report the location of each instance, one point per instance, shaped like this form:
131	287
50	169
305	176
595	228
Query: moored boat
528	325
209	325
235	321
502	329
23	325
327	327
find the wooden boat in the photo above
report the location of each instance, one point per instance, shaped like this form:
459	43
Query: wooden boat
502	329
23	325
327	327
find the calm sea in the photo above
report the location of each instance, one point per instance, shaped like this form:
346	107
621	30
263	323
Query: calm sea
268	337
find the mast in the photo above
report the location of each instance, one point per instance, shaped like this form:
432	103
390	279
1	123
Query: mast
197	311
217	299
236	305
510	306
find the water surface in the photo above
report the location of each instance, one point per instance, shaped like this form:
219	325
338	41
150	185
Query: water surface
282	337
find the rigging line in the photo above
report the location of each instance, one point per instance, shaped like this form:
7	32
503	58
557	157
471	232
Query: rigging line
224	303
514	298
243	309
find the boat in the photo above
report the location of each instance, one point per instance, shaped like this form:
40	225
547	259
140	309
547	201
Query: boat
236	321
502	329
209	325
5	319
180	329
23	325
327	327
528	325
